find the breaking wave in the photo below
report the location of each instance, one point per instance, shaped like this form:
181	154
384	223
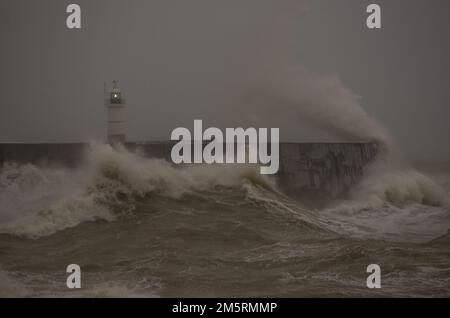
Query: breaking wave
387	183
41	201
393	201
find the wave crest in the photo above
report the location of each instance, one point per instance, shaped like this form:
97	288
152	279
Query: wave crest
388	183
38	201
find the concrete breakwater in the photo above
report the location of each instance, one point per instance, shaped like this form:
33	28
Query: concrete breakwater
315	172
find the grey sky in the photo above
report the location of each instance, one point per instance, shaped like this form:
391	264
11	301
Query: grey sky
177	60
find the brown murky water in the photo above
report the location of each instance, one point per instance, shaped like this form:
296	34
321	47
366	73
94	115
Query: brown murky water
139	228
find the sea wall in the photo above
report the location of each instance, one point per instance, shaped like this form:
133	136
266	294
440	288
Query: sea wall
70	154
313	172
317	172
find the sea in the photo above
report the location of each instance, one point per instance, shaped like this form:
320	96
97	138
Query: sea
140	227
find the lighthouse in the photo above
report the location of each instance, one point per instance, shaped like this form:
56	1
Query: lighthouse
116	127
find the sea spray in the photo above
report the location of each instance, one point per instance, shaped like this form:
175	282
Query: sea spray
39	201
274	88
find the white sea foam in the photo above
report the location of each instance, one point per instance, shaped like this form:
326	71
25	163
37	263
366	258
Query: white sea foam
387	181
37	202
393	201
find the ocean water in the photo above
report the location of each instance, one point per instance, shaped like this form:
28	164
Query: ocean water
141	228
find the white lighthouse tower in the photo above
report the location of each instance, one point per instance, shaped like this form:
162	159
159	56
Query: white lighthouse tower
116	107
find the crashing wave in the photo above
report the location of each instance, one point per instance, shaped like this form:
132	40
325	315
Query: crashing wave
38	202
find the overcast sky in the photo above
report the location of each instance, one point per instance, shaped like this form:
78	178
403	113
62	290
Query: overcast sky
179	60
